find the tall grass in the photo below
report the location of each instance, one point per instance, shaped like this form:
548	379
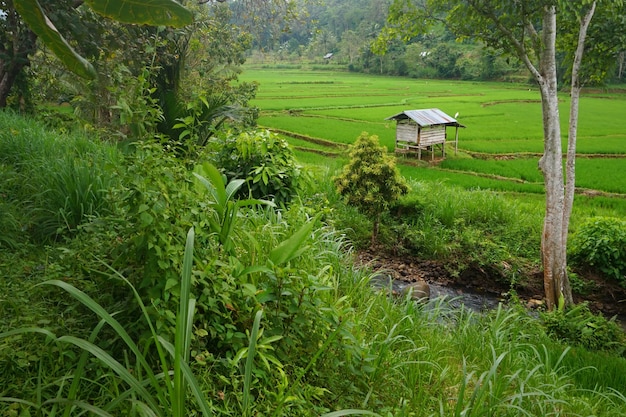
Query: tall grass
148	392
326	342
60	181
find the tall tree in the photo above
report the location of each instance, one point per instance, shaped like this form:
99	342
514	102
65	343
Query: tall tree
527	30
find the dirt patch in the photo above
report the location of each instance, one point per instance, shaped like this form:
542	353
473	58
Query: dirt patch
603	296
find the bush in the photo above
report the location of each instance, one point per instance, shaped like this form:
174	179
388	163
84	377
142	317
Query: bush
265	161
600	242
578	326
370	181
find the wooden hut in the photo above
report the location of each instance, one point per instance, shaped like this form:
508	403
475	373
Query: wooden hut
418	130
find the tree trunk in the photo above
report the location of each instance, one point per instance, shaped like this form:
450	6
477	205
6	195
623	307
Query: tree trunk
14	53
570	169
375	230
553	251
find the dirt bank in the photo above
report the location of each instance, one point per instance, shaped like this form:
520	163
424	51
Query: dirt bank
602	296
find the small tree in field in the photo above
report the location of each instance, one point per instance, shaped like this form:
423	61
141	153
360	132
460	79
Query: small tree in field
370	181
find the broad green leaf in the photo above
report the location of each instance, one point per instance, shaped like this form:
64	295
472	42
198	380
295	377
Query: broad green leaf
212	179
34	16
232	188
144	12
253	269
290	248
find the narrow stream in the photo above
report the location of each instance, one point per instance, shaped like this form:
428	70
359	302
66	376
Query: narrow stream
453	297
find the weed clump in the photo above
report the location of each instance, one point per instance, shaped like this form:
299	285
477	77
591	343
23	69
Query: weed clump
578	326
600	243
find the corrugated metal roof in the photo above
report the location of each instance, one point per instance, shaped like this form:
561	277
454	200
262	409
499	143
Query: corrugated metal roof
427	117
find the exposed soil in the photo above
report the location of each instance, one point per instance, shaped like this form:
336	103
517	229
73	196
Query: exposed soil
602	296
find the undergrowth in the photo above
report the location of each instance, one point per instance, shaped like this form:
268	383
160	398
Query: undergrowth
285	324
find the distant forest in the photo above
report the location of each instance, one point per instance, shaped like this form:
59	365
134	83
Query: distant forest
347	28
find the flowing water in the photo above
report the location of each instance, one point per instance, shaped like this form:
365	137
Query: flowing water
452	297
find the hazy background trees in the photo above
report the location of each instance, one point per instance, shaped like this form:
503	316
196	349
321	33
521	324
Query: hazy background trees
141	69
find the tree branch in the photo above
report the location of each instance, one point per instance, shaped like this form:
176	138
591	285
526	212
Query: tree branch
519	47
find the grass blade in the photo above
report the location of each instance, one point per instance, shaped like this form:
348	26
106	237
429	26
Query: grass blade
80	368
290	248
115	366
350	412
183	329
88	302
250	363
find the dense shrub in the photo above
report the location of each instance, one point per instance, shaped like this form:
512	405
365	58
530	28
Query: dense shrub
578	326
265	162
238	248
600	242
370	181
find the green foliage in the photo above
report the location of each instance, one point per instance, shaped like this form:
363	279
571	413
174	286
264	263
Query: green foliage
325	342
578	326
600	243
161	12
150	391
203	117
61	181
154	196
225	209
136	109
370	181
265	162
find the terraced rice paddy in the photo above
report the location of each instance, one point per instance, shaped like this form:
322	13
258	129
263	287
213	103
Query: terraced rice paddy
498	150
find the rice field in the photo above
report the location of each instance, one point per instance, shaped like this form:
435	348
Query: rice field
498	149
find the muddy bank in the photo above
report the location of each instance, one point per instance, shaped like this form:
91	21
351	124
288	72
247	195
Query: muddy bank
478	290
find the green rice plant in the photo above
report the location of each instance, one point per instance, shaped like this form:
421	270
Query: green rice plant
593	173
151	393
599	174
501	118
523	169
339	131
468	180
